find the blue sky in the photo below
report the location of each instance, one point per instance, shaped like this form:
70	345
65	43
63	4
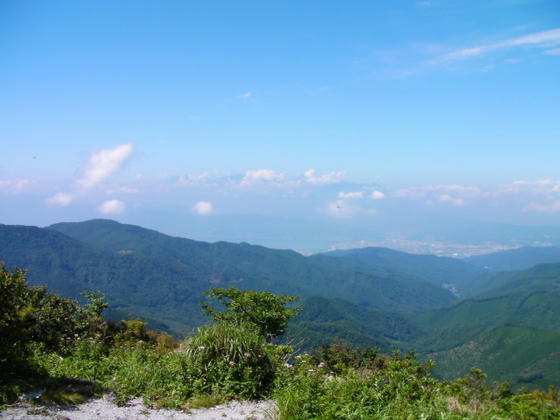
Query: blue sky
343	112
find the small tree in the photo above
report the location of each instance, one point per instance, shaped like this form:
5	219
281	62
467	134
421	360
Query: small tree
266	311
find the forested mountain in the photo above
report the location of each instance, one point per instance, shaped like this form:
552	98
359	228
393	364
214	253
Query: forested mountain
515	259
430	268
161	277
512	330
140	285
323	320
520	355
372	297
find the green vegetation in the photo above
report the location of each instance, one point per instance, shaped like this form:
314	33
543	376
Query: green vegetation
162	278
429	268
512	331
321	320
369	298
525	357
516	259
84	355
264	311
369	387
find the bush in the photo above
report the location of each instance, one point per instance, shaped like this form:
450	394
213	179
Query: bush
231	360
267	312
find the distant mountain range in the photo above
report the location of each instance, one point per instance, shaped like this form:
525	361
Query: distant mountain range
368	297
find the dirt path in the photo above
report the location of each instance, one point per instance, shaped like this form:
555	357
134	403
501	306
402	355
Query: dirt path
105	409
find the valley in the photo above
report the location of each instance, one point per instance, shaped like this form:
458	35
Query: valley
497	311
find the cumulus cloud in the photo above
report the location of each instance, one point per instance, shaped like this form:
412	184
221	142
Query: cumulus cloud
544	39
330	178
255	176
377	195
111	207
103	163
353	194
14	186
446	198
203	208
60	199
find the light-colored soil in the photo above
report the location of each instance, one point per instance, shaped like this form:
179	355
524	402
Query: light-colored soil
105	409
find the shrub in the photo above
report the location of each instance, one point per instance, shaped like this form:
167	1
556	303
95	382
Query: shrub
267	312
231	360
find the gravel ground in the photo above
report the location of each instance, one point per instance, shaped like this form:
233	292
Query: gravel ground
105	409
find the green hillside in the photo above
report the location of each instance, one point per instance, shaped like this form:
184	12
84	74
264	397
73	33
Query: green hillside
530	297
256	267
520	355
512	331
430	268
361	296
321	320
515	259
162	278
134	284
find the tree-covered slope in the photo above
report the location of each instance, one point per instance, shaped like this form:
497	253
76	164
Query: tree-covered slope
433	269
322	320
515	259
529	297
257	267
163	278
521	355
143	286
512	331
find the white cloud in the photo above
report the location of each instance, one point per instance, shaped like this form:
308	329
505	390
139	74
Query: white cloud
545	208
330	178
353	194
111	207
103	163
255	176
554	51
446	198
456	195
538	39
60	199
124	189
245	95
377	195
203	208
14	186
540	186
193	179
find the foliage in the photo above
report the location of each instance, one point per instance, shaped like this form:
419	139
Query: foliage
229	360
339	357
322	319
155	276
232	360
265	311
402	388
13	316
